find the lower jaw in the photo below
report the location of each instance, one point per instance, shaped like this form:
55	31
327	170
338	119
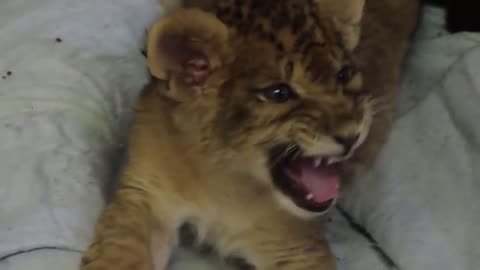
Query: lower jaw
298	198
315	208
297	192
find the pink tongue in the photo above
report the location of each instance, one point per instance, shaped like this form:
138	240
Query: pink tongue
321	182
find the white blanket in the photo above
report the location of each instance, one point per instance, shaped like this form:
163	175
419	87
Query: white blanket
69	72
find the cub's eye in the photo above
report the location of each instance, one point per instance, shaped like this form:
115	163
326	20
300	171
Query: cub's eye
279	93
345	74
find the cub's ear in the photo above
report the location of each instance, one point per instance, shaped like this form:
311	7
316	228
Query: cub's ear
347	17
186	46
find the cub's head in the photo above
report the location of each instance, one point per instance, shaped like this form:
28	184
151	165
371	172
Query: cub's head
268	90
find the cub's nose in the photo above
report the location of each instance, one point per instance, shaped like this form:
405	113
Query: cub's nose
347	142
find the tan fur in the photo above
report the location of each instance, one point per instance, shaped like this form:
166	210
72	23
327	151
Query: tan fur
199	140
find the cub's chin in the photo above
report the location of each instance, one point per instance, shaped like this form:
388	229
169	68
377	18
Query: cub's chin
307	185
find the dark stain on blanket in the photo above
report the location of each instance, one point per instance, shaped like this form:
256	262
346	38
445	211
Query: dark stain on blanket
7	256
373	243
8	74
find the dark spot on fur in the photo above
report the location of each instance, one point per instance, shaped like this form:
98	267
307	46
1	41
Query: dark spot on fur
313	13
254	4
289	70
58	40
238	4
284	14
283	263
296	8
9	73
240	115
250	17
312	45
298	22
243	29
240	263
266	36
302	39
237	14
187	234
280	46
223	12
278	22
258	29
263	8
270	37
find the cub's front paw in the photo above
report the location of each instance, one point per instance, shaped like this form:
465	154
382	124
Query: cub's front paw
115	262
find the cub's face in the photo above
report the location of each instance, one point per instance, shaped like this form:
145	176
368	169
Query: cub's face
288	113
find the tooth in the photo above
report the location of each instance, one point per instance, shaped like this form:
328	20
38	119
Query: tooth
330	161
309	196
317	162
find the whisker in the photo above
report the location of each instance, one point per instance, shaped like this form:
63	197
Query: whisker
377	104
297	154
280	157
289	150
378	101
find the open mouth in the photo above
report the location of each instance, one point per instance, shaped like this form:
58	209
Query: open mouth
311	182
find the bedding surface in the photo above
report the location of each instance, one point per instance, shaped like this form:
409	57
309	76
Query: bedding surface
69	75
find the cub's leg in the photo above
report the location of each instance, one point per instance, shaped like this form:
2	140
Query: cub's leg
285	245
124	234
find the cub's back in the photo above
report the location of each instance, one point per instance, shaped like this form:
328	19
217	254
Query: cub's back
387	31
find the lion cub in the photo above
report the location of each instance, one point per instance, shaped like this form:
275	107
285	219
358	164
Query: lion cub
240	137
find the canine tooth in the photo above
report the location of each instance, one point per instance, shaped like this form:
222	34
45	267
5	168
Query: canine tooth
317	162
309	196
330	161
